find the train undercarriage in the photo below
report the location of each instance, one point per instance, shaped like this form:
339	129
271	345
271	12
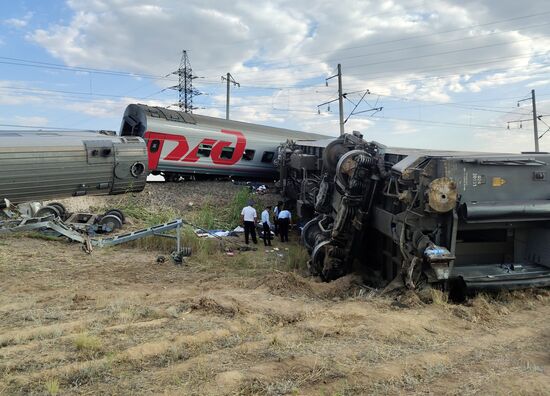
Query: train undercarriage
409	217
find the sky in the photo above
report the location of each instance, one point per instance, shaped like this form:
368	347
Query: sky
445	74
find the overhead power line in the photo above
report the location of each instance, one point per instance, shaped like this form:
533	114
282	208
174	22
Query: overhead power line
411	37
32	63
57	66
34	127
419	71
340	58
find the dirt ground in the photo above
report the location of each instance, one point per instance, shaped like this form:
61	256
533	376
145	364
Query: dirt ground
119	322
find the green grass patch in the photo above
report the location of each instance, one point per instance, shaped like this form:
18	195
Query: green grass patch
88	345
148	216
212	216
46	236
296	258
52	386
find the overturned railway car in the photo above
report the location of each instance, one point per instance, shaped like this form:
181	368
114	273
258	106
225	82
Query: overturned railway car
411	217
183	144
38	165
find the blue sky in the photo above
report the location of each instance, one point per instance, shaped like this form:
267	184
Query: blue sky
448	74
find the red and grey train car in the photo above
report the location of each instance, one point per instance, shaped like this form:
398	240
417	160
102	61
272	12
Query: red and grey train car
181	144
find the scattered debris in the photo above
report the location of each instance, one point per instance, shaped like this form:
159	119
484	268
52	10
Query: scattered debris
53	223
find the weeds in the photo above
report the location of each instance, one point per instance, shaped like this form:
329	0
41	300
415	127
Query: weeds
297	258
147	215
89	346
438	297
87	373
212	216
45	236
52	386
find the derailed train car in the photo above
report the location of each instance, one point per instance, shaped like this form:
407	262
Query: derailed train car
39	165
183	144
411	217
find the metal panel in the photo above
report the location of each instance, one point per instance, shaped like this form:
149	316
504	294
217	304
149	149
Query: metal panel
34	166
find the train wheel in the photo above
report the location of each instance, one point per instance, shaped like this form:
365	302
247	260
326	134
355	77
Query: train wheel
116	212
48	211
310	232
318	258
60	208
110	223
332	154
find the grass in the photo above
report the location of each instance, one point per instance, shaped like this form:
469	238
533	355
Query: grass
87	373
211	216
438	297
89	346
147	216
52	386
297	258
43	235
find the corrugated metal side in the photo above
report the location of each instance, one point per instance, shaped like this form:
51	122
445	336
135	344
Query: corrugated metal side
33	169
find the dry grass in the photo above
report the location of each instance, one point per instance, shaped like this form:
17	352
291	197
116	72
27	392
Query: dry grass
438	297
117	322
87	345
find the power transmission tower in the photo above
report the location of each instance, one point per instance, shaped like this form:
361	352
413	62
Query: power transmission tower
229	78
185	84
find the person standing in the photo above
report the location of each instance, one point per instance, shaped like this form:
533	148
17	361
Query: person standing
276	212
266	226
248	217
284	224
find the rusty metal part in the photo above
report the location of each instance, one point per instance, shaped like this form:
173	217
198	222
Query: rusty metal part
442	195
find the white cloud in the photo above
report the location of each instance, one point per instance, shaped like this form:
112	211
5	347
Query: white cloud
33	121
19	22
413	50
404	128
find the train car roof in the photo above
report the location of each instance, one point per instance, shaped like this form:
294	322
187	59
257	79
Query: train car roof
188	118
416	151
36	138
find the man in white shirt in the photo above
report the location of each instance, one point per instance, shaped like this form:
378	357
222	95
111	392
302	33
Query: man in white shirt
284	223
248	217
266	226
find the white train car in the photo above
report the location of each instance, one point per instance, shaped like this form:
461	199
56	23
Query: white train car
180	144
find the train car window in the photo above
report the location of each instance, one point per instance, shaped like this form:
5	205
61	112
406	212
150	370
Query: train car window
248	155
227	152
155	144
268	156
204	150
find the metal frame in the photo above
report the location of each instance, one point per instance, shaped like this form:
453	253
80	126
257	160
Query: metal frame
52	223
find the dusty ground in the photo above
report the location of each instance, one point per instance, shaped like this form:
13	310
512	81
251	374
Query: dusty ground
117	322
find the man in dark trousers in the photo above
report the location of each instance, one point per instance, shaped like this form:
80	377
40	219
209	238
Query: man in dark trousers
276	211
266	226
284	224
248	217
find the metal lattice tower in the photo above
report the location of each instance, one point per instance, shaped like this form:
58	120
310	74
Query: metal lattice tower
185	84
